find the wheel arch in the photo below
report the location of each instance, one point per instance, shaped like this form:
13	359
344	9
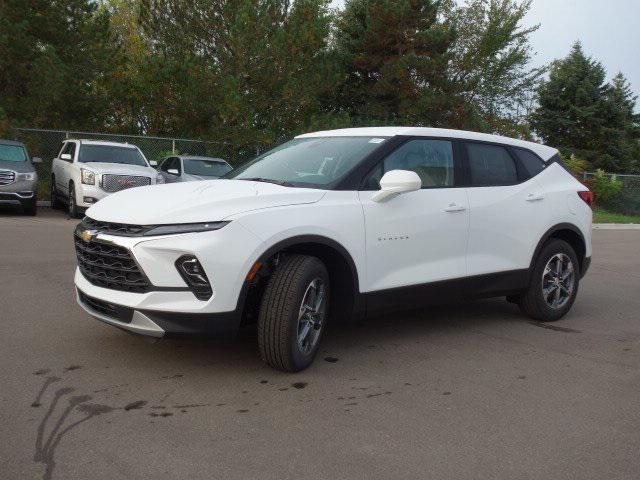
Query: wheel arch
343	273
570	234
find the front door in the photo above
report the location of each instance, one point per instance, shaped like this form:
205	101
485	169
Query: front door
419	237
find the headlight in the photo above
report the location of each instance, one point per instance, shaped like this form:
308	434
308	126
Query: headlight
27	176
185	228
88	177
159	179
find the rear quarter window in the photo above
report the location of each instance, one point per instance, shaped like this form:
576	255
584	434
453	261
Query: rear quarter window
530	164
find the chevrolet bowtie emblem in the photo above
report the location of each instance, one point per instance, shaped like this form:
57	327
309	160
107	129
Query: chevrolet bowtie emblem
87	235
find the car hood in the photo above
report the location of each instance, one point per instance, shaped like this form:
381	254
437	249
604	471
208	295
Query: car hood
119	169
22	167
193	202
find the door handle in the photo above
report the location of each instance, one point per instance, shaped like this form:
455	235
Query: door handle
534	197
454	207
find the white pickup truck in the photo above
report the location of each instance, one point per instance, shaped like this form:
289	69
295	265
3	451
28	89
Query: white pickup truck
87	170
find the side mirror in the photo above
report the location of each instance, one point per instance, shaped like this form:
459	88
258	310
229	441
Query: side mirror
396	182
173	171
65	156
36	160
153	163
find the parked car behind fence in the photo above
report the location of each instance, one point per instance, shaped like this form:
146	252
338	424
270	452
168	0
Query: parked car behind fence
189	168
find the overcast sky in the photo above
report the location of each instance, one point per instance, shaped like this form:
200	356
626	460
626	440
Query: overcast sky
609	31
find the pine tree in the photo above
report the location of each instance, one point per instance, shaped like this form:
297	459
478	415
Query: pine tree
395	55
581	114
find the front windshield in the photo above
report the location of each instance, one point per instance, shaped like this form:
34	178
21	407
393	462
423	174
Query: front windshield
308	162
111	154
205	168
12	153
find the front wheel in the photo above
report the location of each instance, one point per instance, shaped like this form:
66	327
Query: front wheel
73	206
293	313
554	283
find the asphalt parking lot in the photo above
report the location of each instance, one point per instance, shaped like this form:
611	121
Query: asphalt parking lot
469	391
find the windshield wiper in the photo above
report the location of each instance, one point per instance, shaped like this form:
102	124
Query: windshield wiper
282	183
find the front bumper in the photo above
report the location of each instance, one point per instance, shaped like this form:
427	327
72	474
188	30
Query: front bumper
89	191
21	192
160	324
21	198
169	307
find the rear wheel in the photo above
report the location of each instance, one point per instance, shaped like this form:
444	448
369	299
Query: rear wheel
293	313
73	207
554	283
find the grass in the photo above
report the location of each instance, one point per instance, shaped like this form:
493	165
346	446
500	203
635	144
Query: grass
603	216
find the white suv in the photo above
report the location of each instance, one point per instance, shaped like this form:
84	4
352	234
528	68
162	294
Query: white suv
87	170
339	224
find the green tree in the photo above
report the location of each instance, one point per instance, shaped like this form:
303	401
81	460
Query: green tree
245	71
395	55
581	114
54	56
491	63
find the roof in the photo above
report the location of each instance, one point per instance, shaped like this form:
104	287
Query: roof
544	151
11	142
102	142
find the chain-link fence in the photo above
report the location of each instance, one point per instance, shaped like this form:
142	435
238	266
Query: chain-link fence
46	145
627	201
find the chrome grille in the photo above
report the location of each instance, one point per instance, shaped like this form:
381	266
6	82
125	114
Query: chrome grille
110	266
7	177
115	183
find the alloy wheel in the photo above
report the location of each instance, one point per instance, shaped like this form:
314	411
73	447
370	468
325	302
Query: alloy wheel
558	281
312	315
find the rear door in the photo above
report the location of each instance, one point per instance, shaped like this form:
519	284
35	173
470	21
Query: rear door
508	210
418	237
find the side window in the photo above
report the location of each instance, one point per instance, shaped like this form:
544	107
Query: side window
490	165
70	148
178	165
166	164
63	146
432	160
531	164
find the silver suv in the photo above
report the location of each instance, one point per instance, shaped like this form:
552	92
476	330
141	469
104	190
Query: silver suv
18	177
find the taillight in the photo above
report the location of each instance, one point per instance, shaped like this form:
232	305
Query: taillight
587	196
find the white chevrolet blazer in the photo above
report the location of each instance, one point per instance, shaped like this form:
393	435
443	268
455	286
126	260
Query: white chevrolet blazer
335	225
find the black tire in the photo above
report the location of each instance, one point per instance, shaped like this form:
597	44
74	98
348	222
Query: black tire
532	302
73	206
30	208
55	199
279	317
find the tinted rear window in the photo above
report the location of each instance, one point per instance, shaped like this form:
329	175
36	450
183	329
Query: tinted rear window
491	165
531	164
